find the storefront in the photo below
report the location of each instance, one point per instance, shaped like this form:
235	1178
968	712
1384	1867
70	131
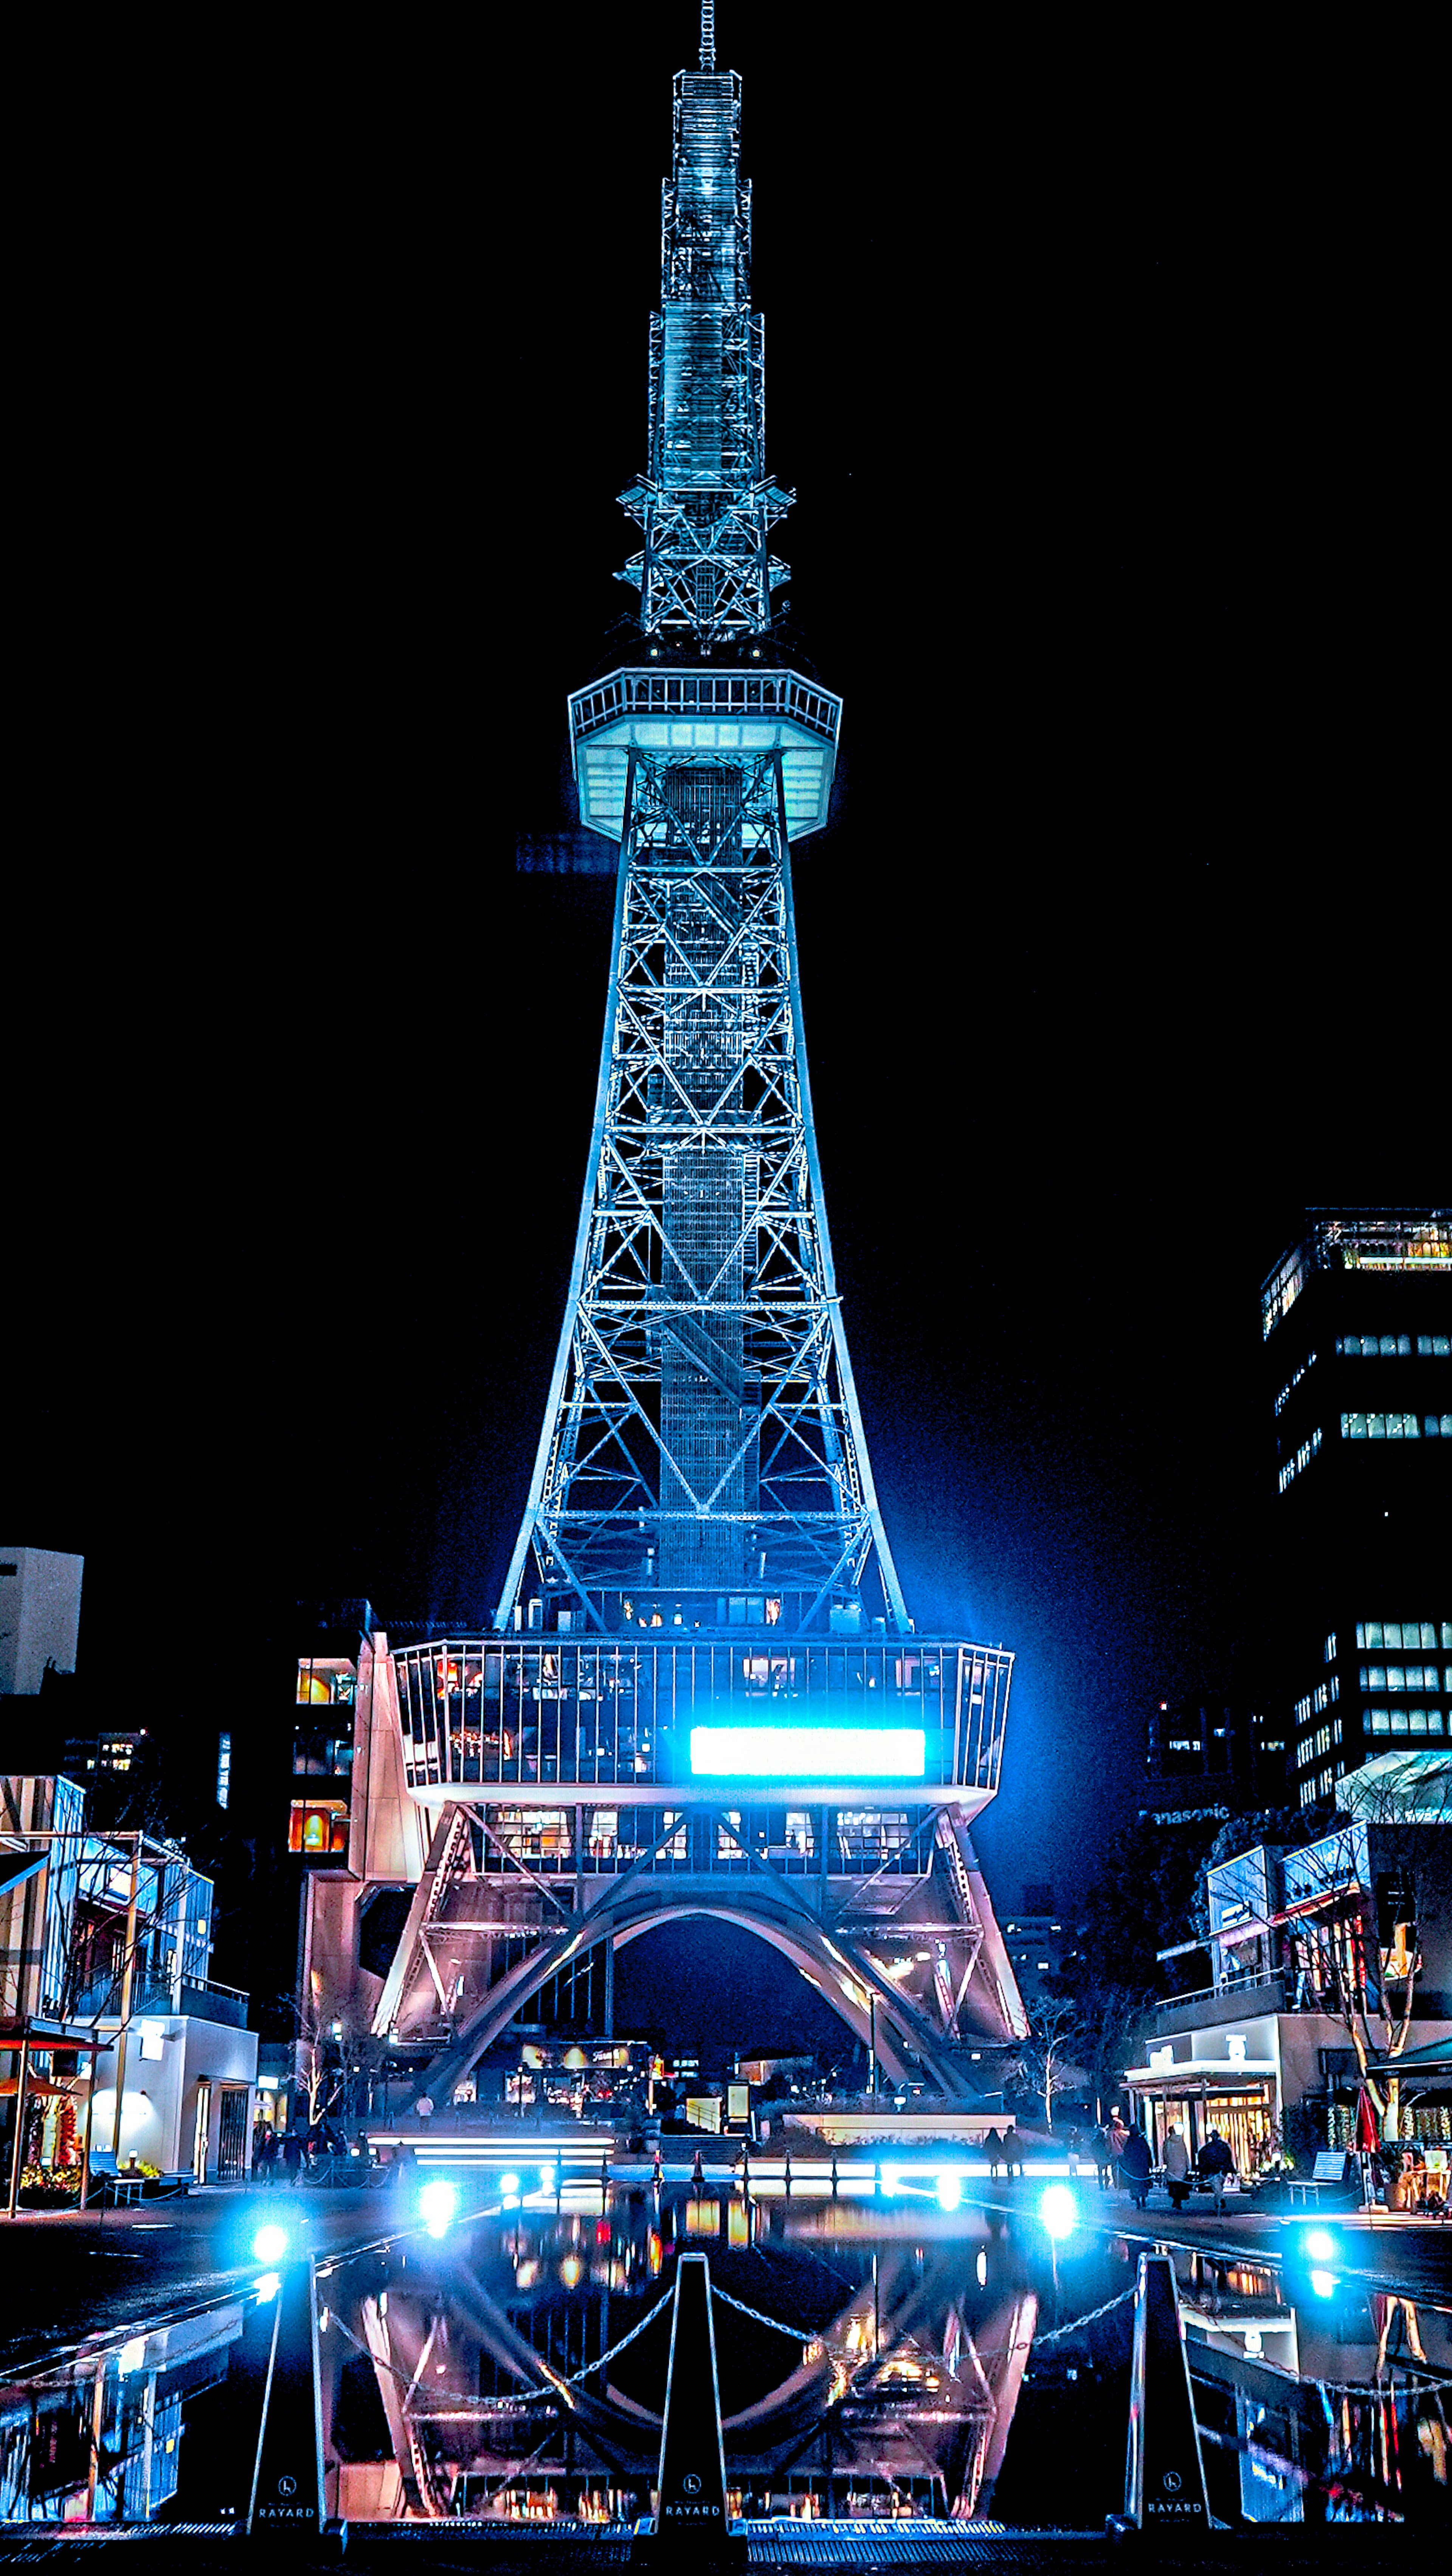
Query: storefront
47	2076
1195	2098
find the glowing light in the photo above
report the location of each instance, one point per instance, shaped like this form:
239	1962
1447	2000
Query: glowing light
570	2270
509	2185
269	2244
1324	2284
808	1752
950	2191
268	2286
133	2356
981	2268
1320	2244
547	2178
1253	2340
1059	2210
437	2203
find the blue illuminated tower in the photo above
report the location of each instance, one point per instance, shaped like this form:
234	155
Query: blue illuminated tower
703	1694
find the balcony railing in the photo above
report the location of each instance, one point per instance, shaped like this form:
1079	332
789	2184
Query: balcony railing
204	1998
537	1713
705	693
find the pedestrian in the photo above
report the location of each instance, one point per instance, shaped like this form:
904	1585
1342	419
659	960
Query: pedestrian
265	2160
1177	2167
1103	2160
1136	2165
1115	2134
292	2156
424	2107
1216	2161
994	2143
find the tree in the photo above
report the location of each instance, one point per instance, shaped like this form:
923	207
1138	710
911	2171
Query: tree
1113	2022
325	2041
1365	1898
1047	2059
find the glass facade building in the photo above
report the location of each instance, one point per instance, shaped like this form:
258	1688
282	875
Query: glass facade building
1357	1331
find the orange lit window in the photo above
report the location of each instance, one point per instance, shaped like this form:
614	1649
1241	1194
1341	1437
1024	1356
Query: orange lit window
317	1826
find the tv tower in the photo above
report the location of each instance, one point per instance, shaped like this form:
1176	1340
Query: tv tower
703	1694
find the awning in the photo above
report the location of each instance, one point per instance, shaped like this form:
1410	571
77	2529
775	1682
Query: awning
1194	2078
1435	2059
1303	1906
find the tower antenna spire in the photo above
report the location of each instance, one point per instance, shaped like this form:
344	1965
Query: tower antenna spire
708	35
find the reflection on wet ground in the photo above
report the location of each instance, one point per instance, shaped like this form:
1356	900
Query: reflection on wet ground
898	2355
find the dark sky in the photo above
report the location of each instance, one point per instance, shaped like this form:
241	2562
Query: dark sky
1098	367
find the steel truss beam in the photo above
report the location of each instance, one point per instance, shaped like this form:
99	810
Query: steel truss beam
703	1430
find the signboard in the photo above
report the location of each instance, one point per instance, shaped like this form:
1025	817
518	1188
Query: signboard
703	2110
808	1752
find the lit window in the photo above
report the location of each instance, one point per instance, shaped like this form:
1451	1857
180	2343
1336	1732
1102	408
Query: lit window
318	1826
1329	1650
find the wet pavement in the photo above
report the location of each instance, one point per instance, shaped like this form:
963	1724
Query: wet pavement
914	2345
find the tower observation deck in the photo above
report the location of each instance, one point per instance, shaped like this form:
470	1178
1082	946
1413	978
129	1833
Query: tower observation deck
703	1694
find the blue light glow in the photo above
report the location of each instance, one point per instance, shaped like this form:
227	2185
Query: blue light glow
950	2191
548	2180
1059	2210
1320	2244
1324	2284
509	2185
270	2244
808	1752
437	2203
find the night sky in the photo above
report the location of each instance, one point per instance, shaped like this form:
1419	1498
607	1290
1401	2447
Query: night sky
1100	375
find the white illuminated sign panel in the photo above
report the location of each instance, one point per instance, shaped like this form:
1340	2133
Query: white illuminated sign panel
808	1752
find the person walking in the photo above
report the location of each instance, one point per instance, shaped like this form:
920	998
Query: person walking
266	2157
1135	2165
292	2156
994	2144
1177	2168
1216	2162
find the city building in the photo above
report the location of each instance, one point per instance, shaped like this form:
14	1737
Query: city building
703	1696
113	2033
40	1617
1351	1935
1208	1757
1357	1327
1042	1948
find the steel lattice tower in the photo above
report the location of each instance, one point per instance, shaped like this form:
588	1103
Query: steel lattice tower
703	1694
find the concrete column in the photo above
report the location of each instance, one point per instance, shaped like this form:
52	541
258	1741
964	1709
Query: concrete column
609	1987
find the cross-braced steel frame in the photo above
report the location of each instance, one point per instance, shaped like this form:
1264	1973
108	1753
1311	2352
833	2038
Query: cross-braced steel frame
703	1433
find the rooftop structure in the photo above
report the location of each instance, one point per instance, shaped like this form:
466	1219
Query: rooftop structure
40	1615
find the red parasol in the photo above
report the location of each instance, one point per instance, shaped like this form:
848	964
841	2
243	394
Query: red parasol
1367	2138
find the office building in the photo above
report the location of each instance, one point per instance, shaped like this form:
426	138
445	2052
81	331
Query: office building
1211	1757
1357	1328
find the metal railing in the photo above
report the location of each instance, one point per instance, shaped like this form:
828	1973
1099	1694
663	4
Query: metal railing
556	1712
717	693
